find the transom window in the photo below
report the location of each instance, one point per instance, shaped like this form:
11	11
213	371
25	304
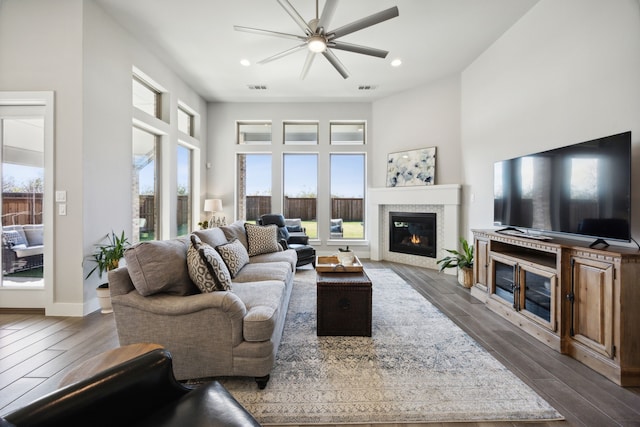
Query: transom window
300	133
145	97
347	133
251	133
185	121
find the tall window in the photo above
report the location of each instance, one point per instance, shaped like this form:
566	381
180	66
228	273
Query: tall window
144	186
300	172
145	97
347	196
184	202
254	185
22	144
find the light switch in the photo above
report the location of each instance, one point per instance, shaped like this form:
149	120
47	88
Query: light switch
61	196
62	209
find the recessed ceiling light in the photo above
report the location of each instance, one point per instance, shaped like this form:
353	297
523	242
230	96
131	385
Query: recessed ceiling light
245	62
396	63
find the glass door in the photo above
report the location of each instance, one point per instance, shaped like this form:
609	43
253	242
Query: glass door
22	166
538	294
504	280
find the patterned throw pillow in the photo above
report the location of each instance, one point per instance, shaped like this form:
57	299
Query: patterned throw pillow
235	256
206	268
262	239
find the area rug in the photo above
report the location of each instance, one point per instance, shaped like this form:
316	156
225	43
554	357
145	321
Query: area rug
418	366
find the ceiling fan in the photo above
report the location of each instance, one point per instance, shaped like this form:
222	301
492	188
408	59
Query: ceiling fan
318	40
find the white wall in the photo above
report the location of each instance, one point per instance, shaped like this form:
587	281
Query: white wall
73	48
426	116
567	72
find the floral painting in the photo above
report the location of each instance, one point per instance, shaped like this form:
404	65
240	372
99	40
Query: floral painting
415	167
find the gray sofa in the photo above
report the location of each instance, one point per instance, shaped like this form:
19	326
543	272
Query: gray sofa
232	332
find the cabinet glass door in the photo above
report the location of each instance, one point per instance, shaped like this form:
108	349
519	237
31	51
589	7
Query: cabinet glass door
537	289
504	280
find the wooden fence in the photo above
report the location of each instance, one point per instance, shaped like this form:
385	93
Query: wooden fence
349	209
21	208
148	210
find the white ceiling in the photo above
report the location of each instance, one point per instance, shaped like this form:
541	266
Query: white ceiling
433	38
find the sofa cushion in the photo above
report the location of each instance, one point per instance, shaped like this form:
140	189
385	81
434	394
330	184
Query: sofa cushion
289	256
34	234
264	301
160	266
262	239
254	272
235	231
212	236
206	268
14	239
235	256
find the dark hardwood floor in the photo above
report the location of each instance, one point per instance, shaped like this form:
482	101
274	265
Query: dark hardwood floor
36	351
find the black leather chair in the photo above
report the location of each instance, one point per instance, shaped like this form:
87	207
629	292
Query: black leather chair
299	241
141	391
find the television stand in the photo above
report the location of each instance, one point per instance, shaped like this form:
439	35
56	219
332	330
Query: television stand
599	242
578	300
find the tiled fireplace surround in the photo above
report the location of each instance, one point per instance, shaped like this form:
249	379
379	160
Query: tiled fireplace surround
443	200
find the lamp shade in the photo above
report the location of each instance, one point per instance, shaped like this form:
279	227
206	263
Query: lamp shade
213	205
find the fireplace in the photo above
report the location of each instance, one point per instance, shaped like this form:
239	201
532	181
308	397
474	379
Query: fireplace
413	233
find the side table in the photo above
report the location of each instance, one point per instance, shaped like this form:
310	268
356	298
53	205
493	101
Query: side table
343	304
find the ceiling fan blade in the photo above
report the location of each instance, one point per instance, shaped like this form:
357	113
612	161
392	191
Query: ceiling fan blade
359	49
282	54
296	16
268	33
336	63
327	14
365	22
307	65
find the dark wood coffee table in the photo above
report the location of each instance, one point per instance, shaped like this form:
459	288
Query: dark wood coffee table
343	304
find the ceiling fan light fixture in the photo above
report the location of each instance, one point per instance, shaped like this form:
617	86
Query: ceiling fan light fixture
317	44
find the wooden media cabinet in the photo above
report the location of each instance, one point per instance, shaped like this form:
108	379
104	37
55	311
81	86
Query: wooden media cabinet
583	302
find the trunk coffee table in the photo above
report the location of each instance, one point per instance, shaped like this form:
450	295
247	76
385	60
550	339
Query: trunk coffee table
343	304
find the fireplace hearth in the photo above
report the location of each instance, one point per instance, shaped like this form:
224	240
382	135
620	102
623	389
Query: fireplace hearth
413	233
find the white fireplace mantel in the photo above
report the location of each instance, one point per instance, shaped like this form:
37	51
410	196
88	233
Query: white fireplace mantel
446	196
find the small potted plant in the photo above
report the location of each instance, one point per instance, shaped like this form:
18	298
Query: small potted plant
463	260
107	257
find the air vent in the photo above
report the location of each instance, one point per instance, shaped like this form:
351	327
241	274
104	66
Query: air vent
257	87
366	87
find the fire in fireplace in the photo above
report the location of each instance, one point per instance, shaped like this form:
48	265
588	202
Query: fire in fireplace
412	233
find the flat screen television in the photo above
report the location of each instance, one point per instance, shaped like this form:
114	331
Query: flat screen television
582	189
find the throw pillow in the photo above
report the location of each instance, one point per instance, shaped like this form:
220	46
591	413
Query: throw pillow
206	268
262	239
235	256
294	228
160	266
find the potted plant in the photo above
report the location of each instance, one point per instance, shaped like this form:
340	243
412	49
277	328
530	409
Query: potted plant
107	257
463	260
